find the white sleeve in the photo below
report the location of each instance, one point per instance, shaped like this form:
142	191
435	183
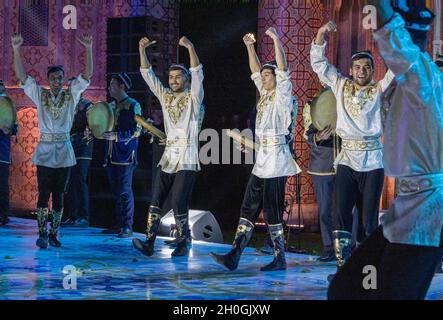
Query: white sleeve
197	77
326	72
77	87
387	79
153	83
284	89
396	46
32	90
256	77
406	60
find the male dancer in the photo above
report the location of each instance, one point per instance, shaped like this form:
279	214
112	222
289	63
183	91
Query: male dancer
183	113
5	162
121	150
54	155
407	247
360	171
77	198
266	186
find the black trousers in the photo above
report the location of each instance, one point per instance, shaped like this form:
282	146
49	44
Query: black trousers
404	272
77	198
52	181
267	195
362	189
179	185
324	193
4	189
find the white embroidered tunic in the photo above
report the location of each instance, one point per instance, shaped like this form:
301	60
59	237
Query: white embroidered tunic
55	119
183	115
274	117
359	121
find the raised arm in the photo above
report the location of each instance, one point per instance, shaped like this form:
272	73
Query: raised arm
194	61
20	72
142	45
148	74
385	12
196	70
86	41
326	72
325	29
394	42
254	62
280	56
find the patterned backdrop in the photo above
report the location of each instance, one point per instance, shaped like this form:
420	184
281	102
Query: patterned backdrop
296	20
62	49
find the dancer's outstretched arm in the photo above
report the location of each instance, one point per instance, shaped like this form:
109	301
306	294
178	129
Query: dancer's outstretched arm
326	72
148	74
142	45
86	41
20	72
325	29
196	70
280	56
194	61
385	12
254	62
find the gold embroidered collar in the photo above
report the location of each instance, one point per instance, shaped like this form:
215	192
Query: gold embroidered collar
57	106
175	105
354	103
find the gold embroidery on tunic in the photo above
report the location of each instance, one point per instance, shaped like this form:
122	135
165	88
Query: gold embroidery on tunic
175	111
354	104
262	103
55	109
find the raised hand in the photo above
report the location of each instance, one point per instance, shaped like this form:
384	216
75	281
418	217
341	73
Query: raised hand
85	40
249	39
184	42
328	27
16	40
272	32
145	42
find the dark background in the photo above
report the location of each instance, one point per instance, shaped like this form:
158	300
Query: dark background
216	31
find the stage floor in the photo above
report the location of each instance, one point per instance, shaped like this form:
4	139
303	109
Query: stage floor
109	268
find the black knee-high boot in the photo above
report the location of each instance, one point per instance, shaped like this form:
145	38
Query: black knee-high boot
277	237
342	246
152	225
242	237
42	222
181	222
55	218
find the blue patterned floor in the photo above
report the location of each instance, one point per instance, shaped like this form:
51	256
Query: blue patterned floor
109	268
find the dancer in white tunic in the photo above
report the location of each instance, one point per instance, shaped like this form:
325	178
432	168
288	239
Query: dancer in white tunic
54	155
182	105
274	162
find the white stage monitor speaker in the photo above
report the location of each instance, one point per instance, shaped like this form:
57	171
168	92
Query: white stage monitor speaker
202	224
